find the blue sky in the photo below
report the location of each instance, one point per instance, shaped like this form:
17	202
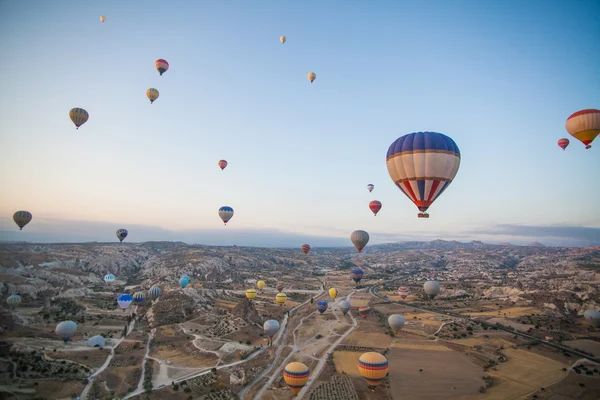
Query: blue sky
500	78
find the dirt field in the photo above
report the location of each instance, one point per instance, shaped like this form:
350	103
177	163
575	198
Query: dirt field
510	312
92	358
347	362
507	322
590	346
373	339
419	345
570	389
58	389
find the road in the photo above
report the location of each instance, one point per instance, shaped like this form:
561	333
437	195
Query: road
140	385
568	350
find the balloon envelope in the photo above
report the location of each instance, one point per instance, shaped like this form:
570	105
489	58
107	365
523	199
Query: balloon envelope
312	76
322	306
260	284
102	18
356	275
296	375
161	65
364	311
109	278
250	294
122	234
359	239
432	288
593	316
96	341
271	327
79	116
124	300
375	206
22	218
226	213
563	143
66	329
281	298
370	187
282	39
344	306
373	367
584	126
13	300
222	164
152	94
305	248
333	293
422	165
183	282
403	292
139	297
396	322
155	292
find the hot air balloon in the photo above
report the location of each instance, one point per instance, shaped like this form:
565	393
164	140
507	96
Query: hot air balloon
296	375
563	143
279	287
122	234
344	305
422	165
226	213
356	275
13	300
124	301
65	330
373	367
375	206
22	218
593	316
161	65
584	126
102	18
364	311
370	187
305	248
282	39
186	277
152	94
96	341
271	327
432	288
312	76
281	298
396	322
360	239
260	285
222	164
109	278
139	297
183	282
322	306
154	292
250	294
333	293
403	292
79	116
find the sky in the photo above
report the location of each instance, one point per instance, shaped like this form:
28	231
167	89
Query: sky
499	77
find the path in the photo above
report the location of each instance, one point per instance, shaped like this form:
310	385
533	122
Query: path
140	385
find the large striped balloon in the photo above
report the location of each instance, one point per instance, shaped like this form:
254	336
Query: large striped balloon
296	375
161	65
422	165
373	367
155	292
584	125
79	116
22	218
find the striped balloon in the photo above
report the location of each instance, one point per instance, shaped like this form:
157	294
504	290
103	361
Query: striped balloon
13	300
222	164
22	218
305	248
124	301
226	213
296	375
281	298
122	234
403	292
364	311
152	94
373	367
139	297
584	125
322	306
79	116
375	206
370	187
359	239
109	278
563	143
161	65
154	292
422	165
251	294
356	275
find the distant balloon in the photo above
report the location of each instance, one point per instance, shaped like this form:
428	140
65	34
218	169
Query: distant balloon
344	305
370	187
432	288
364	311
161	65
357	275
183	282
79	116
22	218
279	287
593	316
152	94
154	292
250	294
305	248
65	330
260	284
96	341
222	164
422	165
322	306
296	375
13	300
375	206
122	234
139	297
359	239
109	278
226	213
373	367
281	298
312	76
396	322
333	293
124	301
102	18
282	39
186	277
563	143
584	126
403	292
271	327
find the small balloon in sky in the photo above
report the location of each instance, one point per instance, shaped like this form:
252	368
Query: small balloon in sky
102	18
282	39
312	76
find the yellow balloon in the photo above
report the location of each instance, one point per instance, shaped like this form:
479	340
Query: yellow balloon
312	76
333	293
152	94
282	39
102	18
250	294
281	298
79	116
260	284
373	367
296	375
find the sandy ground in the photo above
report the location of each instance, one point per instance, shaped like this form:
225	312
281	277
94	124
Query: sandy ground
586	345
507	322
373	339
510	312
419	345
347	362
